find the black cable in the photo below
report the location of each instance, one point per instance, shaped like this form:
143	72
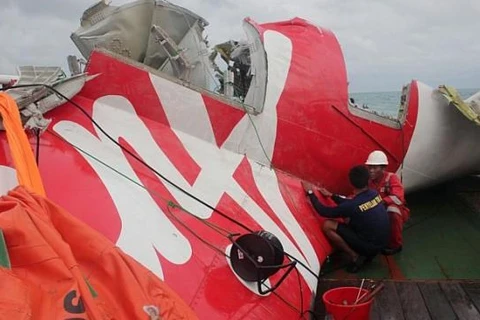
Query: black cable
81	109
153	169
286	253
365	132
285	301
207	243
303	265
133	155
37	151
170	204
302	313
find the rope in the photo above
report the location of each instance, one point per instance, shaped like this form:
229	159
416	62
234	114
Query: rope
83	111
37	151
171	204
287	191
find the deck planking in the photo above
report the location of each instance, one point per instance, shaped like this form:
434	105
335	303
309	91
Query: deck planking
412	299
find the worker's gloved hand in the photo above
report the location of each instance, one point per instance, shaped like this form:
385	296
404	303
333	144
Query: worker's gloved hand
325	192
307	186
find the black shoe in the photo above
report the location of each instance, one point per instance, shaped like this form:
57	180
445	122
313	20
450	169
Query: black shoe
390	251
338	257
356	265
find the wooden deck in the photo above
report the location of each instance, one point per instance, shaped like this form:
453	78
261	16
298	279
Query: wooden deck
437	274
407	299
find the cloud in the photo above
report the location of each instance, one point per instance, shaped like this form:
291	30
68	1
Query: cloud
385	43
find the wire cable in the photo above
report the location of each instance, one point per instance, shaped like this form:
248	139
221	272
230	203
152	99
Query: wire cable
171	204
167	200
84	112
364	131
37	149
287	191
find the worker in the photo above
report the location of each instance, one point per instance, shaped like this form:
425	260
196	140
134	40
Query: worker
368	228
390	188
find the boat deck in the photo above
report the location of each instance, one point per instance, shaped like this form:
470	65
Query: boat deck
437	275
441	240
407	299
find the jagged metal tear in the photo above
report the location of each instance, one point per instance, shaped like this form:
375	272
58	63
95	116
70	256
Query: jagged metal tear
33	102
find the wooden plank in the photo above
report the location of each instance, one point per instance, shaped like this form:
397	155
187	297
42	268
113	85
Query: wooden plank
375	311
460	301
412	301
415	300
436	302
473	291
322	287
387	305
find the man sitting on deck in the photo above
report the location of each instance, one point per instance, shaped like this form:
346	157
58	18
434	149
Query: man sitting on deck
368	228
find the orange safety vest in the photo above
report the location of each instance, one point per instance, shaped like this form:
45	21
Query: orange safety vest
392	192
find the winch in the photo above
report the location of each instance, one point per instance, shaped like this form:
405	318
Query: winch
257	256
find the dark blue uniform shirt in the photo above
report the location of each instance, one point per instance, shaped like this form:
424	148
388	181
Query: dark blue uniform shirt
367	213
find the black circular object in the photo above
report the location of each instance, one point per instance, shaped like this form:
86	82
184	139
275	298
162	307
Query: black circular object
277	245
264	248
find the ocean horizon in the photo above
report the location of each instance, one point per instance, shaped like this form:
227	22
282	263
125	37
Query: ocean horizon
388	102
475	90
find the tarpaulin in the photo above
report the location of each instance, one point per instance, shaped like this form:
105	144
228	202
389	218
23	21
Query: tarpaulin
54	266
22	154
63	269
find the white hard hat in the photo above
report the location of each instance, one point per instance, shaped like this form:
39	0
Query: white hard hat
377	158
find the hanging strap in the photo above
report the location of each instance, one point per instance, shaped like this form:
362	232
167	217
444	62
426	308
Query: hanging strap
28	174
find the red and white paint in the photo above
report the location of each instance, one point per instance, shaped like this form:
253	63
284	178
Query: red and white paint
443	146
221	155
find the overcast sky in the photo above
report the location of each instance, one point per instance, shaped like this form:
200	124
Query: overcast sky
386	43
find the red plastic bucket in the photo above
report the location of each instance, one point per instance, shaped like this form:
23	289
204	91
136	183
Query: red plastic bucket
334	300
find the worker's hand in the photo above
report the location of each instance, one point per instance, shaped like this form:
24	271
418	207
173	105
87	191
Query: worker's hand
325	192
307	186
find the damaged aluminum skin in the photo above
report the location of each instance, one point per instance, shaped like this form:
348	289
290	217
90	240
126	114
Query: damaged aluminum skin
170	39
36	100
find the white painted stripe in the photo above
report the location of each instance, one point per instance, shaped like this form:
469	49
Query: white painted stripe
8	179
243	138
252	286
144	226
185	108
440	132
269	225
396	200
269	187
216	178
394	209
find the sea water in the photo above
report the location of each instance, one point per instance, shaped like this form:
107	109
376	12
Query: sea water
388	102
